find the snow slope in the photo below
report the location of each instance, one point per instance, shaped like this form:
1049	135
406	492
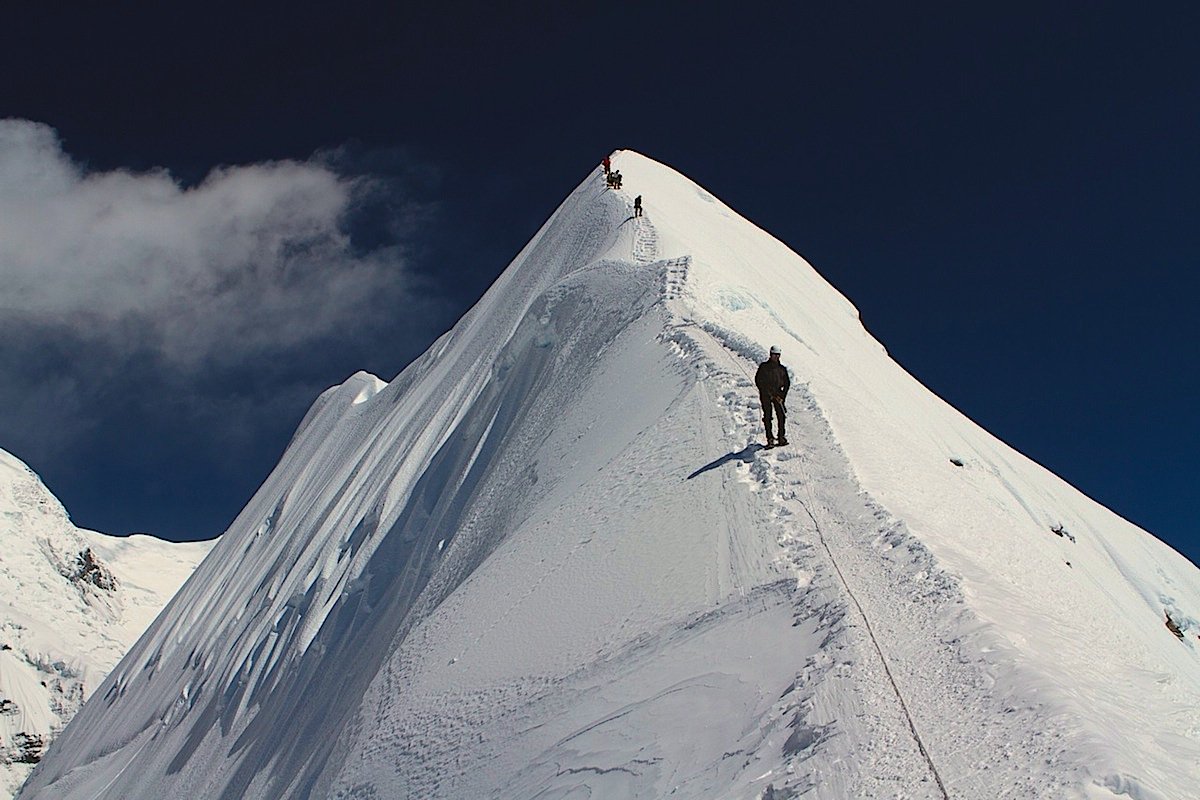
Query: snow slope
66	617
549	560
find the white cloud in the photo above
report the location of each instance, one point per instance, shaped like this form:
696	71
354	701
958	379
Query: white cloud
150	320
254	259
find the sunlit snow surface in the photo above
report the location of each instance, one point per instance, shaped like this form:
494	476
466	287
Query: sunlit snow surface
62	628
549	560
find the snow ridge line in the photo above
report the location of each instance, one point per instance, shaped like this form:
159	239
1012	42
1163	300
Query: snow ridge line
861	612
674	274
890	569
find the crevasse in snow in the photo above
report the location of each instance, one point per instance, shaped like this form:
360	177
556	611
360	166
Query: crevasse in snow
549	559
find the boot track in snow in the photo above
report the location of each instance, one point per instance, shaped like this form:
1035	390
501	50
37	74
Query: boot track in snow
792	481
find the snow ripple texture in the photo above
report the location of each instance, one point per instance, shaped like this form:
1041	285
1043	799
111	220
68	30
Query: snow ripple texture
551	560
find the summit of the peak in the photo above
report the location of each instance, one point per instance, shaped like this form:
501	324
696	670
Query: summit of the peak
639	166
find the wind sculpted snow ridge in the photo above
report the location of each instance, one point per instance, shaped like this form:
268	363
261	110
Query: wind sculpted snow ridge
549	560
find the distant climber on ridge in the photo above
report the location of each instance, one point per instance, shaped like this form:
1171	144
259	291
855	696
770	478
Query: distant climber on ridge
773	383
607	164
637	206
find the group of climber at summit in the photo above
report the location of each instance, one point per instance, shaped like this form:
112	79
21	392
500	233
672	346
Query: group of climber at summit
772	377
613	178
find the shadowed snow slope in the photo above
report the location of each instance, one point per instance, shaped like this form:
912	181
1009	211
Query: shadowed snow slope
72	602
549	560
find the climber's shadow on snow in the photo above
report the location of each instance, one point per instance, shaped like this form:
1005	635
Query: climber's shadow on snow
745	455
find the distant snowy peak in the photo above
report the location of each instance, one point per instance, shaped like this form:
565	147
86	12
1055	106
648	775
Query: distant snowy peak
71	603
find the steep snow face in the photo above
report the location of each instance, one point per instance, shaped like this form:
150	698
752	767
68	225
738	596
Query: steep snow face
550	559
71	603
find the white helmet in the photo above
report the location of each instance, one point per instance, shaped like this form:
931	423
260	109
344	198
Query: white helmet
775	350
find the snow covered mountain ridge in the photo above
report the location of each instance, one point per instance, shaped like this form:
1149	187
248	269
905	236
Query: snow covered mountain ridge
72	601
549	559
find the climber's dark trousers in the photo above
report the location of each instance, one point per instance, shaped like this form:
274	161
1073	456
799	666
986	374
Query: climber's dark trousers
776	404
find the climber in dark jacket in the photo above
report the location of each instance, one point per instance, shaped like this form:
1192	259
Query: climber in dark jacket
773	383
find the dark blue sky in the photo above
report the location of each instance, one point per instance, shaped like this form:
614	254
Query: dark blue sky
1009	196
